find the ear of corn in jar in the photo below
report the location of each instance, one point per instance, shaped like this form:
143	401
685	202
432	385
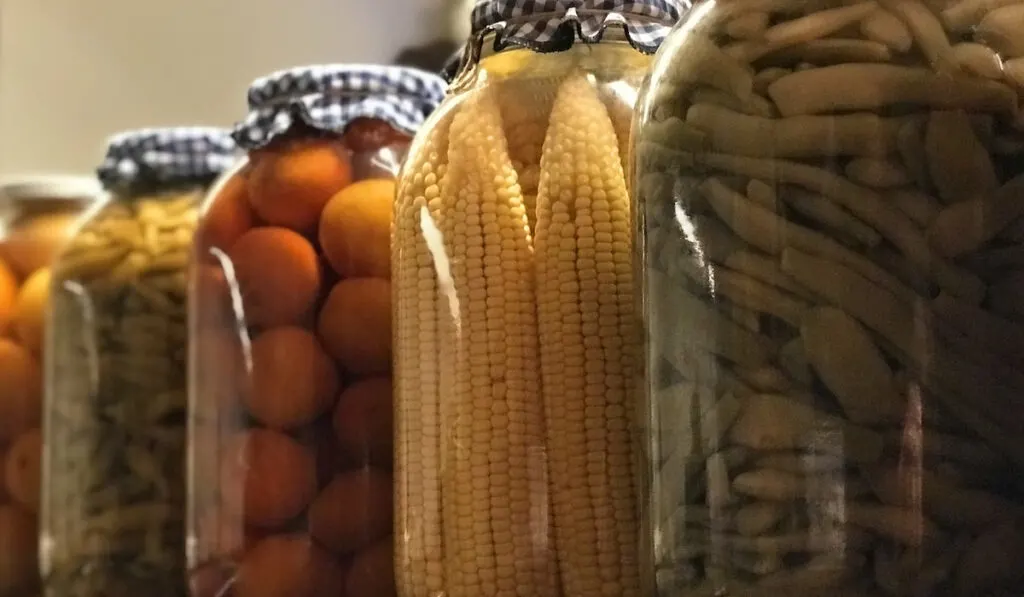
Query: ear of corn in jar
514	351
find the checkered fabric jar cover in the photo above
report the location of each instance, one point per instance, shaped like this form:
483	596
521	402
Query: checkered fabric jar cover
555	25
167	156
329	97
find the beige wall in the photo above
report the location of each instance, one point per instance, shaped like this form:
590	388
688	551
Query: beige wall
73	71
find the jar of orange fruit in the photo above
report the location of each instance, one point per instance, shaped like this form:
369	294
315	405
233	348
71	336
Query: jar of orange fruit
291	485
36	216
115	420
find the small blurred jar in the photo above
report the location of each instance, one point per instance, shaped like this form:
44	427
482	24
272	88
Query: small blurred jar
36	216
115	411
290	371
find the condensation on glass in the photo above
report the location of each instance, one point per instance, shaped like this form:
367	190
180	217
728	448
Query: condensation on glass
113	500
513	315
291	453
831	242
36	216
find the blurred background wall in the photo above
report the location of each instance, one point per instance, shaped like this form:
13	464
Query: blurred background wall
73	71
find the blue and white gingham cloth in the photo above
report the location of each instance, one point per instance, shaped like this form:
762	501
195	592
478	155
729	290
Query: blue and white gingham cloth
167	156
554	25
329	97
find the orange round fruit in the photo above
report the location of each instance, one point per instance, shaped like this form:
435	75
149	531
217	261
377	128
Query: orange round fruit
269	475
228	216
8	295
22	469
355	325
30	310
363	421
289	186
36	242
18	558
278	274
292	381
20	390
355	230
288	566
372	573
353	511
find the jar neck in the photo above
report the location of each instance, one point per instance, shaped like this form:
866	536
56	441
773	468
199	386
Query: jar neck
613	58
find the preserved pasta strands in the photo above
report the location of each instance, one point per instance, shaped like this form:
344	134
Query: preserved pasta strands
116	408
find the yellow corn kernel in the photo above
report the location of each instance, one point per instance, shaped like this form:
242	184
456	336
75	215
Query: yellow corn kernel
494	480
525	112
584	290
418	523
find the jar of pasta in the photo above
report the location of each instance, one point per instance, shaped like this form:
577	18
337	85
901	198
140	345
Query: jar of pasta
830	208
516	345
36	217
113	507
291	483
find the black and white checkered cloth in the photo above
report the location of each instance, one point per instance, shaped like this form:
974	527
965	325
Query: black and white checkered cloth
554	25
167	156
329	97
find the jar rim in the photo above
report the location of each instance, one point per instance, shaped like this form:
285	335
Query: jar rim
49	187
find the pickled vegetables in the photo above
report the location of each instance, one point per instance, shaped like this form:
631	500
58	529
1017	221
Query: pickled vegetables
831	200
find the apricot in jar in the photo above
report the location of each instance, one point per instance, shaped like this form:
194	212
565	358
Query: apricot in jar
372	572
290	184
22	469
228	215
269	475
30	310
278	274
363	421
288	566
18	554
8	295
355	325
20	390
355	230
36	242
292	380
353	511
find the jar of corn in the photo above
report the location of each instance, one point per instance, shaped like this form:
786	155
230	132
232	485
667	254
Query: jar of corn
515	345
113	501
830	209
37	215
291	485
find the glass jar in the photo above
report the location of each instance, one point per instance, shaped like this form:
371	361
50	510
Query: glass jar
290	480
36	216
113	502
829	222
515	337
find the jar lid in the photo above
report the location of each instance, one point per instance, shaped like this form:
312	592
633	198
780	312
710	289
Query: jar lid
167	156
555	25
49	187
329	97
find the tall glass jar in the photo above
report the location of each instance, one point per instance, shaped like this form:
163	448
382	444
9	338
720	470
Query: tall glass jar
36	217
830	218
113	500
515	337
290	479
